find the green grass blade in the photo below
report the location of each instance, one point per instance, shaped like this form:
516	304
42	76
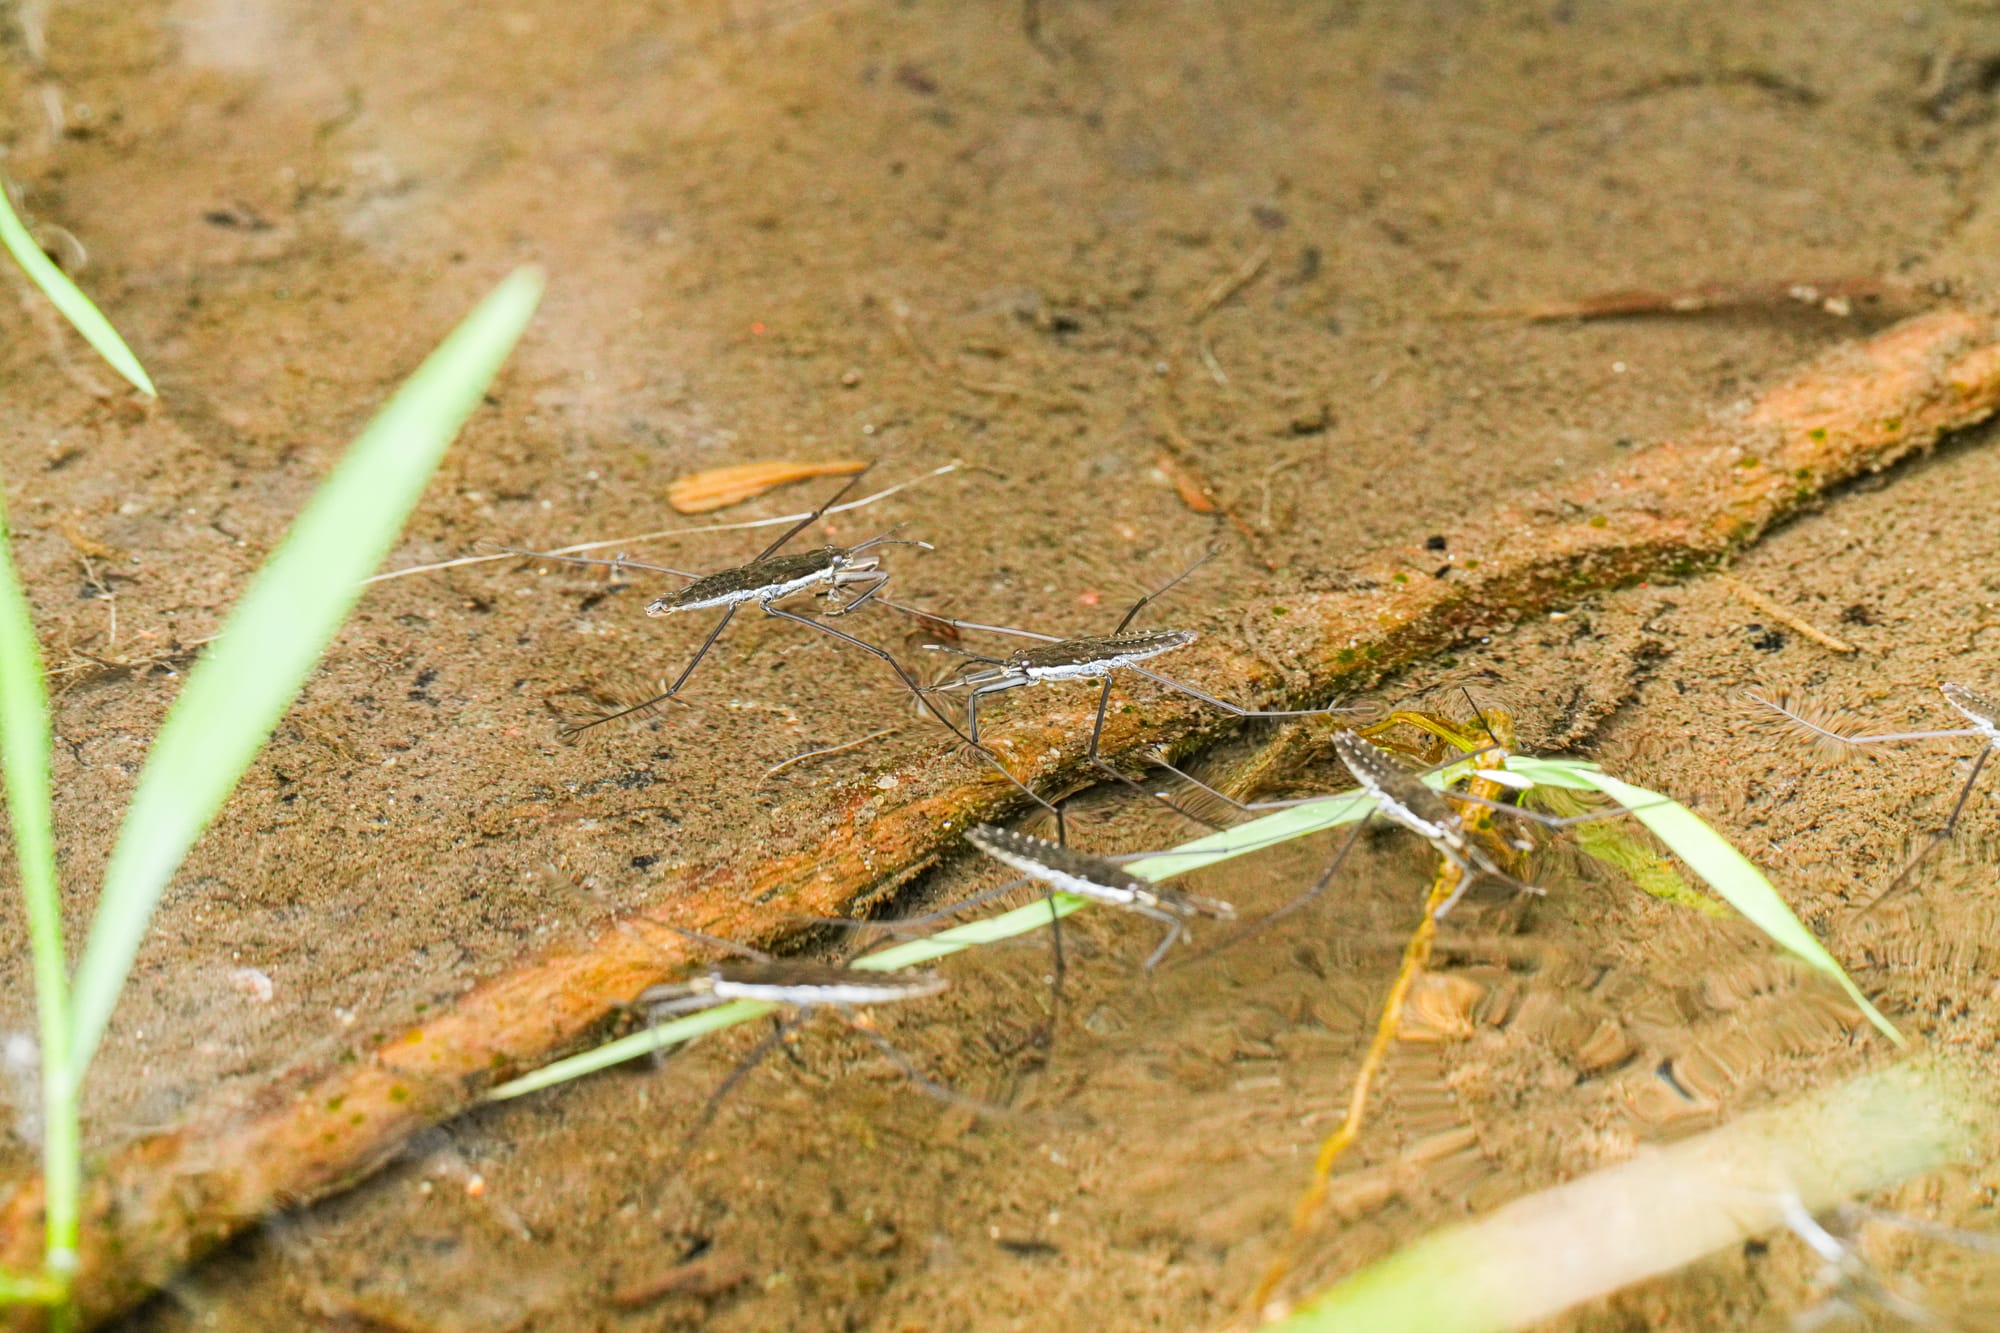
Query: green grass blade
24	757
75	306
972	934
1610	843
242	685
1709	855
656	1038
1296	822
1268	831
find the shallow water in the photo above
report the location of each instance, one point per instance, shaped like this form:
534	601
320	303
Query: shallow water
913	234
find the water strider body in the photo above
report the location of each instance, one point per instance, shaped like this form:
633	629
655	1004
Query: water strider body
1091	657
772	578
1053	660
764	582
1401	797
1061	869
805	987
798	984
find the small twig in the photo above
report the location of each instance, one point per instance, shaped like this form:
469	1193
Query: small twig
1839	297
1305	1213
1757	601
710	1275
1196	492
1445	886
1270	475
1229	284
1204	350
1192	488
1179	460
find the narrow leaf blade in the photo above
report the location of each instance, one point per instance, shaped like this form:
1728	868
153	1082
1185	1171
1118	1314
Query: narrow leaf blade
242	685
68	298
24	752
646	1042
1710	855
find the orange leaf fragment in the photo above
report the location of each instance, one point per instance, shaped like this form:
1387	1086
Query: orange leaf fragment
720	487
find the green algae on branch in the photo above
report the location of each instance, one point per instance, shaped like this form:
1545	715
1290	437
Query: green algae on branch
165	1199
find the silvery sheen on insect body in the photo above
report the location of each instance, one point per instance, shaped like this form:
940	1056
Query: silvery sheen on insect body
763	580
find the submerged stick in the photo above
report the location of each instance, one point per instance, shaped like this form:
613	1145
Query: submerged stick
165	1199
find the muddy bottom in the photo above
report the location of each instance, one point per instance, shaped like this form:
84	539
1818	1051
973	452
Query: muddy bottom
1089	250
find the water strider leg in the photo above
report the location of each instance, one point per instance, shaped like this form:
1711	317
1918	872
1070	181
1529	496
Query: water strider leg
971	737
758	1054
1241	807
1175	929
923	1082
613	565
1236	710
1102	765
575	729
1297	904
972	703
1813	728
874	586
918	613
681	1004
571	730
1938	838
1416	954
1161	591
910	683
814	517
1543	818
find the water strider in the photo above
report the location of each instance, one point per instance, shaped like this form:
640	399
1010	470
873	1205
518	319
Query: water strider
827	572
772	577
797	984
1089	657
1400	795
805	987
1061	869
1979	707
